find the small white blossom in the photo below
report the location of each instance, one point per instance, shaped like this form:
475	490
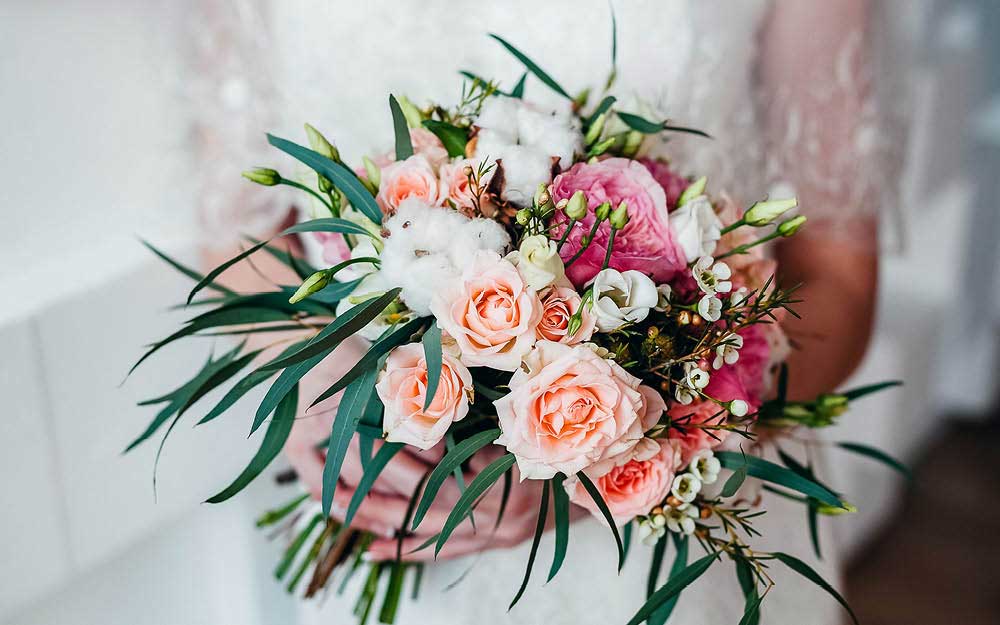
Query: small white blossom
663	298
686	487
728	351
739	297
710	308
651	529
712	277
705	466
681	519
622	297
738	408
695	379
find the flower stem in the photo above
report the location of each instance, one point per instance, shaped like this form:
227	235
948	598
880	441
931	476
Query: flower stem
732	226
583	248
562	239
743	249
611	244
292	183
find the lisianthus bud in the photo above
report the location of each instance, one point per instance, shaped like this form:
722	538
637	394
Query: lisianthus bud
633	141
319	143
763	213
522	216
603	211
829	510
619	218
791	226
413	116
543	200
313	284
577	206
594	132
263	175
692	191
372	172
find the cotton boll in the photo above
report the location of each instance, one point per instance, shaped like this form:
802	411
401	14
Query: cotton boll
491	143
523	170
500	113
553	134
427	246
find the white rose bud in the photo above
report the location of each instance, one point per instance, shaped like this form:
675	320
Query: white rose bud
622	297
538	262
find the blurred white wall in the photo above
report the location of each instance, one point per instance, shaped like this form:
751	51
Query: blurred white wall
94	155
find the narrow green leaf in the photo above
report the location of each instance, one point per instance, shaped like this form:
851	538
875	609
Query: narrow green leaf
518	90
218	378
453	137
288	379
477	487
861	391
561	507
372	471
812	519
273	516
601	109
187	271
274	439
662	613
378	349
543	512
771	472
734	482
647	127
627	538
599	500
504	498
673	587
878	455
301	268
532	67
806	571
352	405
296	546
656	564
433	357
404	147
342	177
344	326
328	224
451	461
748	583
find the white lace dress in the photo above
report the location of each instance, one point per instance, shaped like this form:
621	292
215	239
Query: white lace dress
807	120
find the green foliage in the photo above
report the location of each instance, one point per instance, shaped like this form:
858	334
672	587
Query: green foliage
404	147
561	509
647	127
533	67
352	406
806	571
603	507
486	478
673	587
433	356
770	472
877	455
543	511
452	460
372	470
453	137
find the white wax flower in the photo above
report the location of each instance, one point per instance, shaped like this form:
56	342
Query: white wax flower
705	466
696	228
728	351
686	487
710	308
712	277
622	297
680	519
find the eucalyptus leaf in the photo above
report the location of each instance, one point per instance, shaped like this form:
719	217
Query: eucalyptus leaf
352	406
770	472
433	357
603	507
878	455
673	587
861	391
286	381
640	124
561	508
533	67
218	378
662	613
748	584
404	146
372	471
452	137
187	271
806	571
274	439
734	482
543	511
451	461
486	478
342	177
518	90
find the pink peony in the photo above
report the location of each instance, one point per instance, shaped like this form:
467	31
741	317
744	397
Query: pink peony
402	387
645	244
673	184
640	483
567	409
490	312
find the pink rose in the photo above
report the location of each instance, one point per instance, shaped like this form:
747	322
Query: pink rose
724	385
491	313
402	387
427	144
412	178
567	409
645	244
673	184
633	487
559	303
455	182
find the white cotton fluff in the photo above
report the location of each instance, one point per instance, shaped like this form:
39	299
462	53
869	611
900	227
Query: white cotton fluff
525	139
427	246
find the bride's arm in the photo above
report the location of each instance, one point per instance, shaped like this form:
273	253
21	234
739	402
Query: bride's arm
814	71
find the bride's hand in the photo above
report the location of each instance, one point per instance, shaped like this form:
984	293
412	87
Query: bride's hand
384	508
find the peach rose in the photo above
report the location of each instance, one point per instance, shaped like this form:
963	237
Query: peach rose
641	482
412	178
559	303
402	387
567	409
427	144
455	182
491	313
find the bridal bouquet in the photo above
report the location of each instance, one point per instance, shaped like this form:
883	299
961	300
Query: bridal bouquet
528	282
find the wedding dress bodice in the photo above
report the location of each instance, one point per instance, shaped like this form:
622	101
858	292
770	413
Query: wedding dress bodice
271	66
